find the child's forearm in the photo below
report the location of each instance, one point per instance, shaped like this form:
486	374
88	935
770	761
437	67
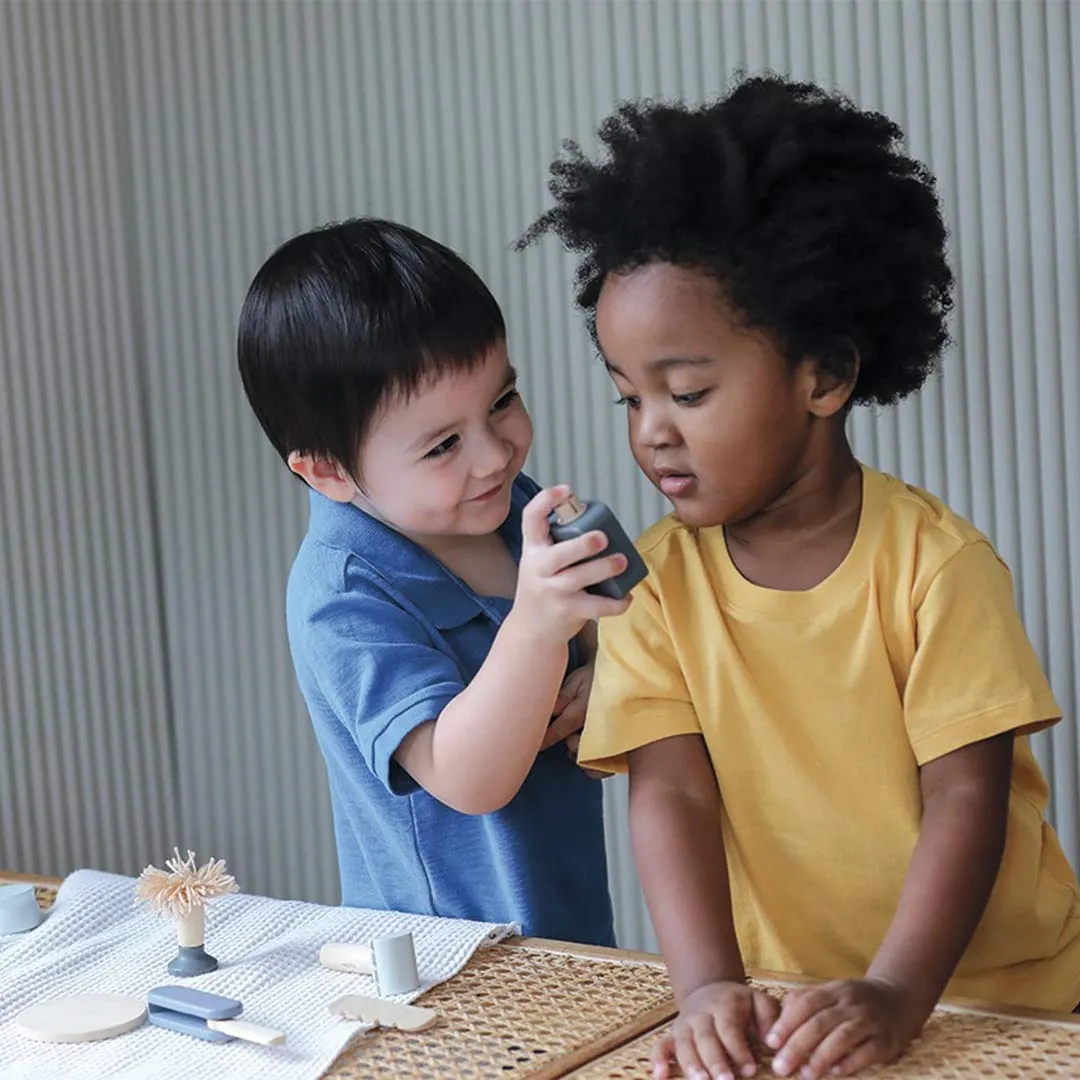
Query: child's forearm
477	754
952	870
677	835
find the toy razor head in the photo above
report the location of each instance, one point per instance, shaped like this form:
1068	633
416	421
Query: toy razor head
383	1013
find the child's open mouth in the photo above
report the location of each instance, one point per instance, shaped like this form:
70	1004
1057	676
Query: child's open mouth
675	484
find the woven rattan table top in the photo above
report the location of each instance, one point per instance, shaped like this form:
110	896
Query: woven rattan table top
546	1009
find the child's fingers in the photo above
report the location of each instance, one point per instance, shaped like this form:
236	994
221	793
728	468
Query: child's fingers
663	1050
731	1028
686	1053
866	1053
566	724
805	1040
580	577
715	1057
836	1047
766	1010
534	518
798	1007
575	550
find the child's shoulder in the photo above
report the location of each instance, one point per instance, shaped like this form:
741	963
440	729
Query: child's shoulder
670	543
343	552
917	523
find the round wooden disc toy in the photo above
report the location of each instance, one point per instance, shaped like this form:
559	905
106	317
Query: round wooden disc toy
81	1018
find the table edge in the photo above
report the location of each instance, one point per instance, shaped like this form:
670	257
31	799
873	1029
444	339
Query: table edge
600	952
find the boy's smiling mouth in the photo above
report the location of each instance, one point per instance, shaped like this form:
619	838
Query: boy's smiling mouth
485	496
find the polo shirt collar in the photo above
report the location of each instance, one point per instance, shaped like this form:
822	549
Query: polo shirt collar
408	568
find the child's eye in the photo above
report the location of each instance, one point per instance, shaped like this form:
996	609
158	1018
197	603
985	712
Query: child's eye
629	401
444	447
689	399
506	400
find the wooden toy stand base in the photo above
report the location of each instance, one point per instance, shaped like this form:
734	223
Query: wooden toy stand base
545	1010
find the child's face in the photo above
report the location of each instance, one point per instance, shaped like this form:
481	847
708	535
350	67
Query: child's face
442	461
719	420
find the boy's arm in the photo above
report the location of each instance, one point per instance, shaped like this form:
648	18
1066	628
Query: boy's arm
853	1024
477	754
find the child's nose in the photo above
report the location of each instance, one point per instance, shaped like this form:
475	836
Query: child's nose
655	430
494	455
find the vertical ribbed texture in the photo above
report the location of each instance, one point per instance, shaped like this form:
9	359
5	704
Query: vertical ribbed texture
154	153
87	770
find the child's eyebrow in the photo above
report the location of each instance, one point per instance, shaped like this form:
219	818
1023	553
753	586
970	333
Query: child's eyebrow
664	362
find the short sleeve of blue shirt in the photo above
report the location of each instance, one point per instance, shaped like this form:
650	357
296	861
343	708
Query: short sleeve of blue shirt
378	669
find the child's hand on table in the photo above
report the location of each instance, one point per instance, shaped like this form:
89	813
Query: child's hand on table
838	1028
710	1036
569	713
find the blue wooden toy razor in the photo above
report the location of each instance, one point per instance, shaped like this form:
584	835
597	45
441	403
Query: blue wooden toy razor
206	1016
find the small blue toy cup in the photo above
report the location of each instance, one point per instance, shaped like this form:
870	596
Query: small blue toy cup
19	909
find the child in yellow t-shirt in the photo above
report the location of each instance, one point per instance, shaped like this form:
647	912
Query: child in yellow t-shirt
823	690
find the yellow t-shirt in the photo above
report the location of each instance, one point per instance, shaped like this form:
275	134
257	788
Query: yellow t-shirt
817	709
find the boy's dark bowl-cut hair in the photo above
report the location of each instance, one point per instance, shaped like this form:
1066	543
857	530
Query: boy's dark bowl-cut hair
818	227
340	318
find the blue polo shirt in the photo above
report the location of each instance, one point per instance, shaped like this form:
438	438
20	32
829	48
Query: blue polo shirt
383	637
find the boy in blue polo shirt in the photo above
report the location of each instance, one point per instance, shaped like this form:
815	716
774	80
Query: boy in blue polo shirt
435	628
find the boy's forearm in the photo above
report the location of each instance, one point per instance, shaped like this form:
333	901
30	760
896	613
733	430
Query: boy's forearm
485	741
949	881
679	850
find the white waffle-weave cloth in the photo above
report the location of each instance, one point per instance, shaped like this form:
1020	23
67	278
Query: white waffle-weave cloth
97	940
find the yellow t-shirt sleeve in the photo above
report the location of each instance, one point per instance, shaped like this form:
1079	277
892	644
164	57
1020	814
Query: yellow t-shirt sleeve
638	694
974	673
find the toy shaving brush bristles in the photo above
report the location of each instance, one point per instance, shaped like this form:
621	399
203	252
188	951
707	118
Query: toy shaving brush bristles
184	886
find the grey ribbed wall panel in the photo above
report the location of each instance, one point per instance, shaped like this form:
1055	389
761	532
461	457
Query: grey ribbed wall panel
87	768
153	154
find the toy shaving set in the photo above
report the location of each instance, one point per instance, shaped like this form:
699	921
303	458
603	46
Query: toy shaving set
182	891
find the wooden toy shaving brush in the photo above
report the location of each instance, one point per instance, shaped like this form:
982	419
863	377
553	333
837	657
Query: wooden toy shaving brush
182	891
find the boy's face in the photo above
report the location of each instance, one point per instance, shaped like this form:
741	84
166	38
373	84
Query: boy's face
719	421
442	461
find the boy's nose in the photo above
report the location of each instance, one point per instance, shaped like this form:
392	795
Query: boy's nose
494	456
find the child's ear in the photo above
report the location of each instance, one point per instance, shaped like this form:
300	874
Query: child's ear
325	475
831	385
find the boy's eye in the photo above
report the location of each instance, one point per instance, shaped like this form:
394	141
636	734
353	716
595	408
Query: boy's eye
689	399
629	401
444	447
506	400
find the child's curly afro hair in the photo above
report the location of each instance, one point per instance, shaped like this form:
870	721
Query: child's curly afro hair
818	227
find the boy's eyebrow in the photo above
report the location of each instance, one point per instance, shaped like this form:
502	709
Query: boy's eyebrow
665	362
430	436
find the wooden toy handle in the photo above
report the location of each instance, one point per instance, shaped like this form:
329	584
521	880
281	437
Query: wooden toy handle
249	1032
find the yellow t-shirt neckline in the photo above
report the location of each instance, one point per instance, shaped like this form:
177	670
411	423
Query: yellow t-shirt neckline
737	592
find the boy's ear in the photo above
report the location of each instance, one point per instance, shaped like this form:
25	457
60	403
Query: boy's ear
831	386
325	475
